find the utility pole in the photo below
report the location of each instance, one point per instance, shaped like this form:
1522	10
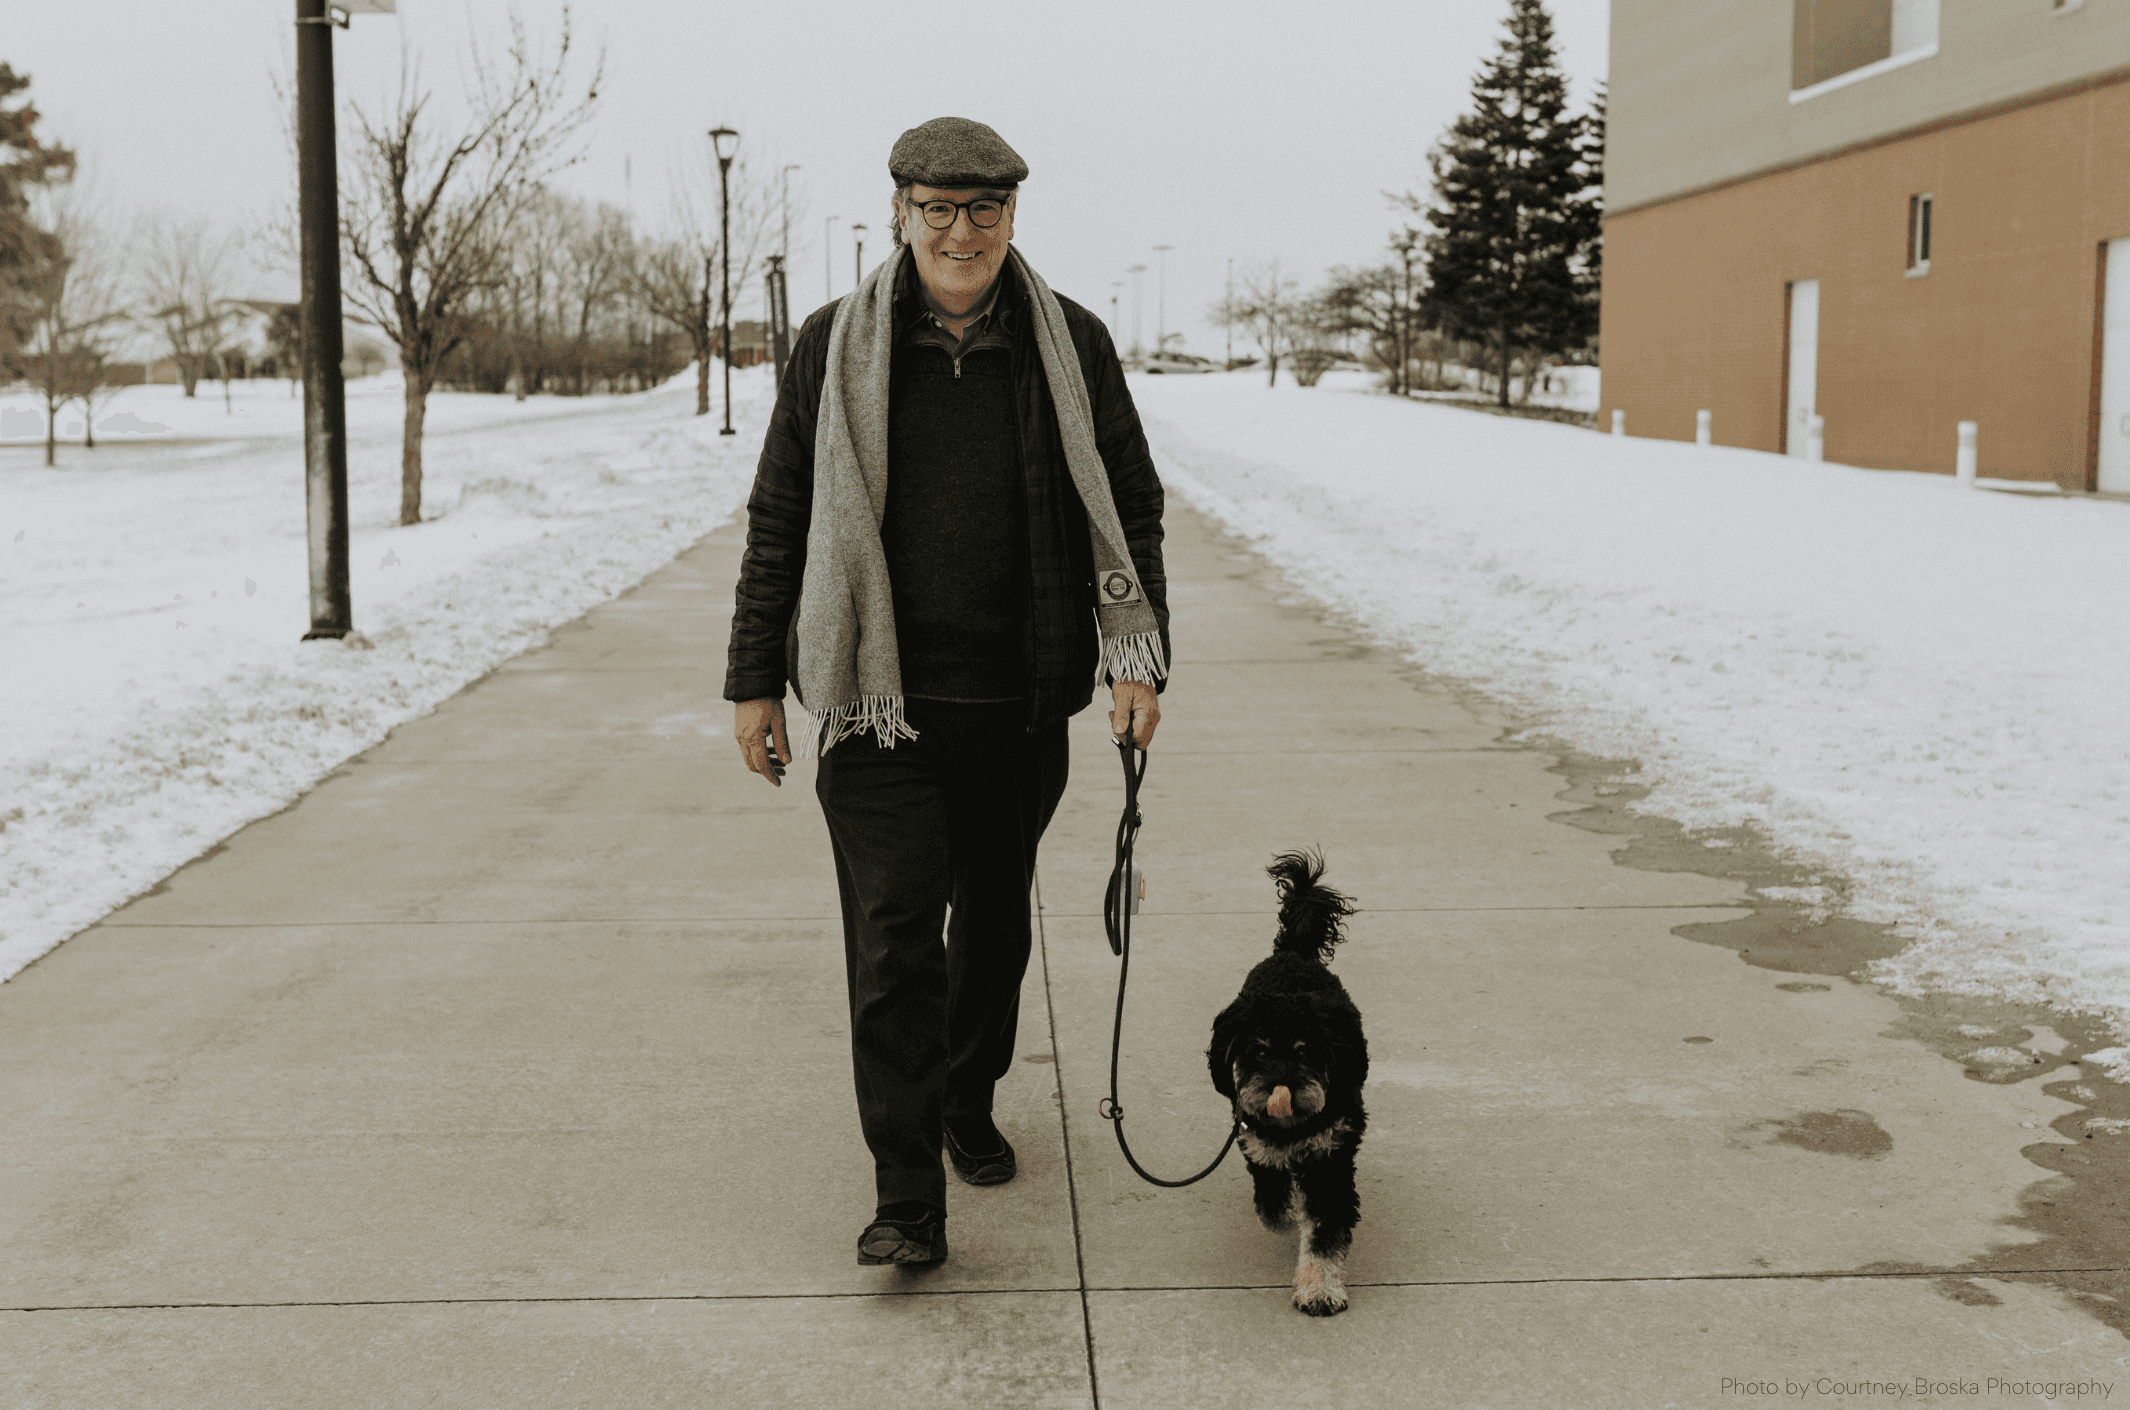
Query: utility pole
724	141
325	407
828	263
1116	325
858	256
1161	300
1135	271
1227	312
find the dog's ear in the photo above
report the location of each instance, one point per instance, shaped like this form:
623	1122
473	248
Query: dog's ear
1340	1024
1228	1030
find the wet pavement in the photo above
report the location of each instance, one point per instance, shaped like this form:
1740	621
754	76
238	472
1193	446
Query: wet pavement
509	1067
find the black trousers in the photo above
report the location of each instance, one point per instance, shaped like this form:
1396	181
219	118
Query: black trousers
950	819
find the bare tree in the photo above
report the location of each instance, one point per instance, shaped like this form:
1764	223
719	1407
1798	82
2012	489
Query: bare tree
677	281
426	214
185	288
598	268
75	312
1262	307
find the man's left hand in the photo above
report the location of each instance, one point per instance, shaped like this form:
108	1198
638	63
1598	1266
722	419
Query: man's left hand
1134	707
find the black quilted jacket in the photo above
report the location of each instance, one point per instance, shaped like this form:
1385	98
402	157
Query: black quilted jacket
1062	640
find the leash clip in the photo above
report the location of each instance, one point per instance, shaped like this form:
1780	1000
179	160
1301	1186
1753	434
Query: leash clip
1110	1108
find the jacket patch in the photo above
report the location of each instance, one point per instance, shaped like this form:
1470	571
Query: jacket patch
1118	587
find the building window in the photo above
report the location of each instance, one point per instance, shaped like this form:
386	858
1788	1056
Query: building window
1919	234
1838	42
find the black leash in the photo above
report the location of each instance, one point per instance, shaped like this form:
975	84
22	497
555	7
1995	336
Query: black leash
1117	920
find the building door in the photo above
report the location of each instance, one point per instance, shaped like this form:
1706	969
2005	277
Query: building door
2114	457
1804	367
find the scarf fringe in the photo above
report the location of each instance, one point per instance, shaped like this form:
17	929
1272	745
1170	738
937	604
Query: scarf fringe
882	714
1137	657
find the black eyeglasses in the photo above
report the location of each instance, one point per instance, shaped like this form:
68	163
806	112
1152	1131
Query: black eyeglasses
983	214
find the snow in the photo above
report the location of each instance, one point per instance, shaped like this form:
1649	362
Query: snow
153	595
1913	685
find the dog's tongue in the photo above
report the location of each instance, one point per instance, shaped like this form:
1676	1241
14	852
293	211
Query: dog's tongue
1279	1103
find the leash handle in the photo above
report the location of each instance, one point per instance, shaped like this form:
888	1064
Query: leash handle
1117	922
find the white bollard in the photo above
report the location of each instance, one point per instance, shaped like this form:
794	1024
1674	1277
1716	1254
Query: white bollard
1964	467
1701	426
1816	446
1619	423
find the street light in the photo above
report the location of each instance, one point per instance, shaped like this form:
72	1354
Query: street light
828	266
325	406
1161	299
1227	312
1116	326
725	142
858	257
1135	271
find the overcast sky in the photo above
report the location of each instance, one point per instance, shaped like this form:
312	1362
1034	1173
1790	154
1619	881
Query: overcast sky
1240	130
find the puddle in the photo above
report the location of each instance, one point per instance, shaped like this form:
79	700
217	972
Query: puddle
2080	1205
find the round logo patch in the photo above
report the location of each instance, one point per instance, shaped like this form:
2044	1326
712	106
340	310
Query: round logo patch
1117	587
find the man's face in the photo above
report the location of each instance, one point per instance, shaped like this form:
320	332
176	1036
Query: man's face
956	264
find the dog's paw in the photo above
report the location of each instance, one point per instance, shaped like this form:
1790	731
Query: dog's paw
1320	1288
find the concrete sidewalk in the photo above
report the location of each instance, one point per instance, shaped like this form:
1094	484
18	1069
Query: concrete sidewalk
509	1068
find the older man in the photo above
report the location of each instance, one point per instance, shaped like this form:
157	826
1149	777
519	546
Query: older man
955	529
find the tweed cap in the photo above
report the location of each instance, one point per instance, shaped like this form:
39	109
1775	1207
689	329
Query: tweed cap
953	153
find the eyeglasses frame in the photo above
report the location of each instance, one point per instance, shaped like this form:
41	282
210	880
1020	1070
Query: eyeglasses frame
961	208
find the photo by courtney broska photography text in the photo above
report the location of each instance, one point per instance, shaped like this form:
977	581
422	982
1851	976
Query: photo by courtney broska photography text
1918	1388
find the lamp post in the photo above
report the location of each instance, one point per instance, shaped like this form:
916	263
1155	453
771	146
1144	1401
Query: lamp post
1161	300
325	407
858	257
1227	312
828	265
1135	271
725	142
1116	325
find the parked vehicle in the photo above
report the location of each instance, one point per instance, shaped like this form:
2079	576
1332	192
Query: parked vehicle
1179	362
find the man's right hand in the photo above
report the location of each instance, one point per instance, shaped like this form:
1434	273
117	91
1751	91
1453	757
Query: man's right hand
758	724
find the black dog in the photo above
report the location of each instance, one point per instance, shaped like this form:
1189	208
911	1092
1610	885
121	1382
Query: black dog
1290	1055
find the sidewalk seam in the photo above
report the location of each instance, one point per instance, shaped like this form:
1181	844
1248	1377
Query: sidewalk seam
1083	1290
1072	1189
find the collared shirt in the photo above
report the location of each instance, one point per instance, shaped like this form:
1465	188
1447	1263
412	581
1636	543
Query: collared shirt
989	325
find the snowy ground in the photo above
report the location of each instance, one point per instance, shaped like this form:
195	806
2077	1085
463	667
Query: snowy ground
153	592
1918	685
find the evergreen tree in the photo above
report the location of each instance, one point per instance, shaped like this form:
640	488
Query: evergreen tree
1514	220
28	256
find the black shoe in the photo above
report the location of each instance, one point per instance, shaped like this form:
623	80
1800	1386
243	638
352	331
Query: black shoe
991	1162
907	1241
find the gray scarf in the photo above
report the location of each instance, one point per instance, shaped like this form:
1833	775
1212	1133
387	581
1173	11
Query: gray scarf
848	671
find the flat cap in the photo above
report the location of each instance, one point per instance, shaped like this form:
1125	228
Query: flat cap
951	153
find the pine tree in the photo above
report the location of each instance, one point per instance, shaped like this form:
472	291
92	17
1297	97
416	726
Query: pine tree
1513	217
28	255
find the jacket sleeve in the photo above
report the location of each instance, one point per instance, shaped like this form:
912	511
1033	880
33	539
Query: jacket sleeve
1133	483
779	510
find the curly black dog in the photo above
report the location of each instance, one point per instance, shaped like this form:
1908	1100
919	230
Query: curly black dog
1290	1055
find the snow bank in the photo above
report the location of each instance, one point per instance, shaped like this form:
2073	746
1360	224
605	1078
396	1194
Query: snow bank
153	596
1918	685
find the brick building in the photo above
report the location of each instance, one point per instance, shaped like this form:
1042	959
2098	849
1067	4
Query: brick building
1896	215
